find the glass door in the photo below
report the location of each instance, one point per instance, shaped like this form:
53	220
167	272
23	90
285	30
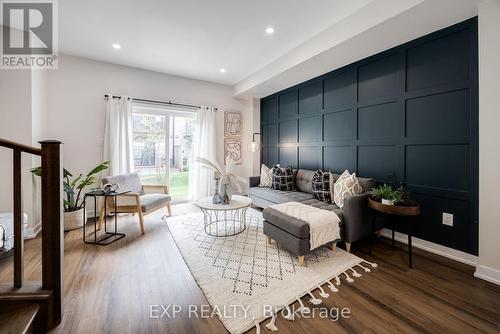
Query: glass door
181	135
162	143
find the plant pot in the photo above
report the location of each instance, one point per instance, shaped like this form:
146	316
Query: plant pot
74	219
387	201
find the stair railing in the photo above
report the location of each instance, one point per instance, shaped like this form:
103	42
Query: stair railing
52	229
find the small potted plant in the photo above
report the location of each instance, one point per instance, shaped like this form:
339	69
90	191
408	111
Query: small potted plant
387	195
74	216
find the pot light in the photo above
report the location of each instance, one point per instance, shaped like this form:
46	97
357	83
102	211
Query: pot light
116	46
269	30
222	70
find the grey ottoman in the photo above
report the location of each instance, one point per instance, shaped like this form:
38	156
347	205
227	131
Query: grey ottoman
290	233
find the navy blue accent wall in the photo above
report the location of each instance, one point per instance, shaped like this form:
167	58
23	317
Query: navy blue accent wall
409	113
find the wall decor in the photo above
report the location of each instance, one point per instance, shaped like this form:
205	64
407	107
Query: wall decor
233	124
232	150
408	114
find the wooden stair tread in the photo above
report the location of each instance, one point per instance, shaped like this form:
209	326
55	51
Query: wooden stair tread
18	318
29	292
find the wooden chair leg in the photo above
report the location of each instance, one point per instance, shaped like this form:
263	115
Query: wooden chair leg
348	247
334	246
141	220
169	209
301	261
101	213
269	240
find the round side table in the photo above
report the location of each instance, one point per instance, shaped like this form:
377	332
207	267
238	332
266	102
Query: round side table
410	212
224	220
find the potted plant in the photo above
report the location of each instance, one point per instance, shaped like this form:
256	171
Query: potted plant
74	217
387	195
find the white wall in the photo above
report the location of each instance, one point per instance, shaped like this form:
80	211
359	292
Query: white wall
489	138
75	106
15	125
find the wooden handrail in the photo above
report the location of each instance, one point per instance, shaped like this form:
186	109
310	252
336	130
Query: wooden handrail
21	147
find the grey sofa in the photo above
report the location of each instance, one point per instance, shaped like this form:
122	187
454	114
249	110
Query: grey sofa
355	216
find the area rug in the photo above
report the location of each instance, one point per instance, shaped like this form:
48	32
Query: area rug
247	280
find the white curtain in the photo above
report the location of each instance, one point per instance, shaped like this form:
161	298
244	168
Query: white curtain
201	178
118	135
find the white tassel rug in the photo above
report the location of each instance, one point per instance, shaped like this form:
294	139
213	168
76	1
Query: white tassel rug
243	276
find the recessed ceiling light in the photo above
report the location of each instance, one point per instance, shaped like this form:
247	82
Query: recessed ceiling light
222	70
270	30
116	46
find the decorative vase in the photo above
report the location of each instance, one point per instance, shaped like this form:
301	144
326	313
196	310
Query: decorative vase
74	219
387	201
216	199
224	195
225	188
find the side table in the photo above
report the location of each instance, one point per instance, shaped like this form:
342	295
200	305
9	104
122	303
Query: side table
108	237
410	212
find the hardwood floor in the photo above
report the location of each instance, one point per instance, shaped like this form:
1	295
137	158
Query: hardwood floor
109	289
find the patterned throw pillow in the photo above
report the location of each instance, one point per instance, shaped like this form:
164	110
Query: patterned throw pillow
266	176
346	185
332	182
283	179
321	186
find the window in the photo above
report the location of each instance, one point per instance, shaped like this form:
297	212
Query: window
162	144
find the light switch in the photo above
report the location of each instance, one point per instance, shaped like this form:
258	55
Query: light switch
447	219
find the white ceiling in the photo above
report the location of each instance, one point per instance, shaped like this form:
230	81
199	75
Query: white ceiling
378	26
195	38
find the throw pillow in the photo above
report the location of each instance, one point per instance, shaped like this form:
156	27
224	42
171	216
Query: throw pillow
283	179
332	182
346	185
266	176
321	186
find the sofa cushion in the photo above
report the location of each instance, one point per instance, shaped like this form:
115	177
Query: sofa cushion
278	196
367	183
325	206
296	227
153	201
283	179
303	180
128	182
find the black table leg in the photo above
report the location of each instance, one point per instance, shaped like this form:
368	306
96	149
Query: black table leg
84	210
393	229
95	219
409	242
373	232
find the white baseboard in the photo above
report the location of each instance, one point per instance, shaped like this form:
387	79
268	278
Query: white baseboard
450	253
488	274
32	232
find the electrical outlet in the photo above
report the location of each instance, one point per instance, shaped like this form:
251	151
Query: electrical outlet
447	219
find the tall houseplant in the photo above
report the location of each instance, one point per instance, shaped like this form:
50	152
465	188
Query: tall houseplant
73	186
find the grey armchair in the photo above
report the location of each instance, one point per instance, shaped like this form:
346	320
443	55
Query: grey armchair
136	201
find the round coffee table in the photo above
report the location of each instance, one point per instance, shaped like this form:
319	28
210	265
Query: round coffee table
224	220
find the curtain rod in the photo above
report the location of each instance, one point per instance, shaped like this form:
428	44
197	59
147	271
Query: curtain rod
170	103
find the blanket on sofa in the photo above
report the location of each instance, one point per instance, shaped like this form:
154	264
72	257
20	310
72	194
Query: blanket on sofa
323	225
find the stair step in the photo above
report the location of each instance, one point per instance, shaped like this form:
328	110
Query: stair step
18	319
29	292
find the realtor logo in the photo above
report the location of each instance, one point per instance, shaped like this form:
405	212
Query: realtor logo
29	34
